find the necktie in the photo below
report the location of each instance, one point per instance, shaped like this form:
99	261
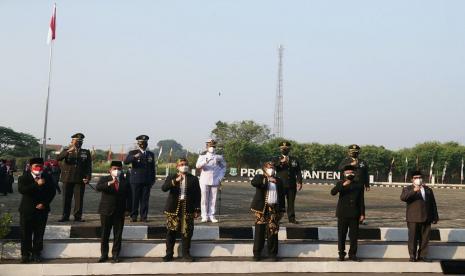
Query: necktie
116	184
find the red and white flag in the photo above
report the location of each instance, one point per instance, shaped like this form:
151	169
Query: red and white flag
52	27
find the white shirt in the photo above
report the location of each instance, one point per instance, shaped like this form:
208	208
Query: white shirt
213	169
183	188
422	190
272	193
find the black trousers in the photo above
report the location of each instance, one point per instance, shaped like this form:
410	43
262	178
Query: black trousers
259	241
185	242
351	225
140	198
115	221
70	190
290	198
32	229
418	233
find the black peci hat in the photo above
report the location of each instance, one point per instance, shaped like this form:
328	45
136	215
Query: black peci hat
349	168
417	173
116	163
36	160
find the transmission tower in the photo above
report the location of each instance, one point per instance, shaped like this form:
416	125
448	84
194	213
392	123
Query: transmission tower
278	109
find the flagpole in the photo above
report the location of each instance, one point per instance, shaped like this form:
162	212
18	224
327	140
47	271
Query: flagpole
44	142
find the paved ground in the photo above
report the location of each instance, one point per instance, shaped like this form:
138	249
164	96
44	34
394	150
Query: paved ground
315	206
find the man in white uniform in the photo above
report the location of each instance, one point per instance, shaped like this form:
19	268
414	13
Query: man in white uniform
213	168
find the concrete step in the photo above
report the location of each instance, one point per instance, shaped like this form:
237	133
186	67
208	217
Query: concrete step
214	266
156	248
203	232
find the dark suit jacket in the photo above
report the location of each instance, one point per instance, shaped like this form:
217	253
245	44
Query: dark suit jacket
75	166
142	168
33	194
351	203
419	210
290	173
192	194
112	201
260	182
362	174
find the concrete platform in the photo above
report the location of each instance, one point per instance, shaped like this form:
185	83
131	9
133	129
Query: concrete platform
288	249
90	267
204	232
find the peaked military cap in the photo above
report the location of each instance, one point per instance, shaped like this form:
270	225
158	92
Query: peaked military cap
211	143
285	144
182	160
142	138
78	136
36	160
116	163
354	147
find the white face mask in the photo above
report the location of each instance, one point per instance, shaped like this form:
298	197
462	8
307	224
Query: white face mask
211	149
183	169
418	181
115	173
37	173
269	171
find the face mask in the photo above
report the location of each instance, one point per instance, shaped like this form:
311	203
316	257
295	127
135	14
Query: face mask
211	149
350	176
78	144
37	171
269	171
183	169
115	173
418	181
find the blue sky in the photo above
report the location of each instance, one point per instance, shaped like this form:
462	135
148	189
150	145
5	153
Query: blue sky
369	72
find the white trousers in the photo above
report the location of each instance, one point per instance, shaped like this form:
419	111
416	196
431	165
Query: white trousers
208	201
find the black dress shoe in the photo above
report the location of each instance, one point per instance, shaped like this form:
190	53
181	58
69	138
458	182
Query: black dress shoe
63	220
168	258
354	259
79	220
273	259
25	259
293	221
341	258
143	220
103	259
423	259
37	258
115	259
257	258
133	219
412	260
187	258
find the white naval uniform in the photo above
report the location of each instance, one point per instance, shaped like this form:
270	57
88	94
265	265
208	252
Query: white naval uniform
213	169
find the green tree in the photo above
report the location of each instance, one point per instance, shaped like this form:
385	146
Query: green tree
17	144
241	142
167	145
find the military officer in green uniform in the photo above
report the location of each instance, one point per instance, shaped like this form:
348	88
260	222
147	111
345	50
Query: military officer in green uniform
362	167
288	170
76	164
